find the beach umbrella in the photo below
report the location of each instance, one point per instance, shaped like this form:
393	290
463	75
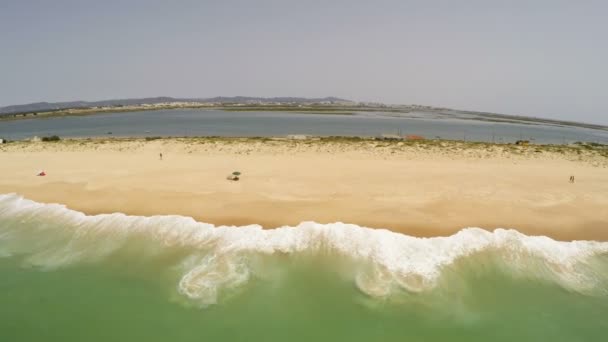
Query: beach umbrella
236	173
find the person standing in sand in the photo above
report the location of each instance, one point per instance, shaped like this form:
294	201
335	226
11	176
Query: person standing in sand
161	156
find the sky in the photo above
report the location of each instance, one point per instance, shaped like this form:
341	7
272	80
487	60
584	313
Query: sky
543	58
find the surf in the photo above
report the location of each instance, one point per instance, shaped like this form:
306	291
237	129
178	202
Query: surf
208	260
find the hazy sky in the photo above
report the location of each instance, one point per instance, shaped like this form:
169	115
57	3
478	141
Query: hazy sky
541	58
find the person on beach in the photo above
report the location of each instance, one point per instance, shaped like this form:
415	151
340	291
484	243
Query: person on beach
571	179
161	156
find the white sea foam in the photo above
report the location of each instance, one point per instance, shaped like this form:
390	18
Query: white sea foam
50	235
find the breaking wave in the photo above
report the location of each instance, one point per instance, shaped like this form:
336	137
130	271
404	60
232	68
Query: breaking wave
210	259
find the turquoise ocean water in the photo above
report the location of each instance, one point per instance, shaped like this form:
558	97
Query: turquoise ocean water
65	276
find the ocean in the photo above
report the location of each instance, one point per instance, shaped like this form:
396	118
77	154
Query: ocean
196	122
65	276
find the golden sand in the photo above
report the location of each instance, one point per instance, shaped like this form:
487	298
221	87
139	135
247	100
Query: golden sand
419	188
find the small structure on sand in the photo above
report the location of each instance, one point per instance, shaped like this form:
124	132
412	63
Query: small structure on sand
522	142
235	176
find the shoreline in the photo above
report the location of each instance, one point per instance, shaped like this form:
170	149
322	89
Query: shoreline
419	188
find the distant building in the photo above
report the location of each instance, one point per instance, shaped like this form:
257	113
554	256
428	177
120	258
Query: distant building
298	136
1	141
390	137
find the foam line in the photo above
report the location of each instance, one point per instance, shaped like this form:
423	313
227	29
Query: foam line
51	236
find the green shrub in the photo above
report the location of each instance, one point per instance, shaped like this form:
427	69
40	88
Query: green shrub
51	138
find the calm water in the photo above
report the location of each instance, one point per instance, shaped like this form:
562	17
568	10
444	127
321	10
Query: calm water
220	123
69	277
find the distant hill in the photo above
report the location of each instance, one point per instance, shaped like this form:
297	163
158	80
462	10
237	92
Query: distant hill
48	106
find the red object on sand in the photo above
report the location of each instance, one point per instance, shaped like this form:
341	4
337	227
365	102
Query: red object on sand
42	173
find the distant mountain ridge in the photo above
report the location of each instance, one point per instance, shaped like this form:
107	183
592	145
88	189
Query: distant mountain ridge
48	106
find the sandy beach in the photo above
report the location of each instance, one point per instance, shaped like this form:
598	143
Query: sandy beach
418	188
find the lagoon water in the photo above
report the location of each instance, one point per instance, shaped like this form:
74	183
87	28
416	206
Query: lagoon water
68	277
196	122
